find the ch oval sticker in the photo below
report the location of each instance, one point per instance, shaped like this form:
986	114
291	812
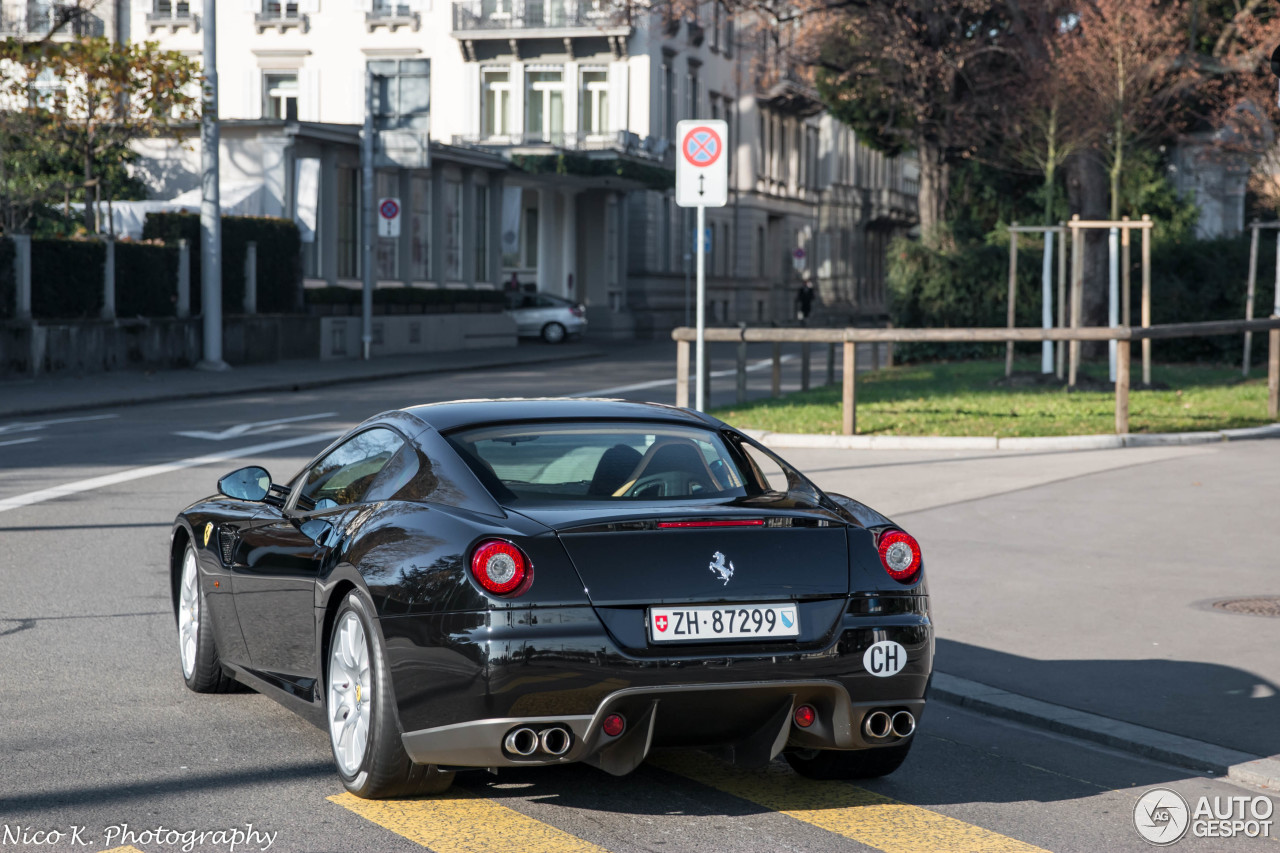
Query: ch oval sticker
885	658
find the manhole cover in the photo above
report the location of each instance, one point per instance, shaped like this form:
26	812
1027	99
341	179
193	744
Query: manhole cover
1261	605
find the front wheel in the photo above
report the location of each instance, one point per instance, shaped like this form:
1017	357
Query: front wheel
362	724
198	651
848	764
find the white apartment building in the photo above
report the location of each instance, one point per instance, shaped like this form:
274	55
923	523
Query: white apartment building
532	139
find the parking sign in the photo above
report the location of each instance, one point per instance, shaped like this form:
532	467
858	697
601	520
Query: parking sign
702	164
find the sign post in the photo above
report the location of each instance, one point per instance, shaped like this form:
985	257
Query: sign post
702	181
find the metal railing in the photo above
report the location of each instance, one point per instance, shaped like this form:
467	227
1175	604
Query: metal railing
40	19
621	141
469	15
850	338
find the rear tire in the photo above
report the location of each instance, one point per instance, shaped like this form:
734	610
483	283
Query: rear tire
363	732
849	764
554	333
197	649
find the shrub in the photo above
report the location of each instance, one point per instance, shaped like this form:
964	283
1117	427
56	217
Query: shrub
279	257
1191	281
146	280
66	278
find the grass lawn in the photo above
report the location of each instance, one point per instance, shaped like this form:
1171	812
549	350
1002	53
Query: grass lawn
972	398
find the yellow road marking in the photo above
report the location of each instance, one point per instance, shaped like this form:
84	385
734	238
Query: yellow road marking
856	813
459	822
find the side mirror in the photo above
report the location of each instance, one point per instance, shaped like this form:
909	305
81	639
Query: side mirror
247	484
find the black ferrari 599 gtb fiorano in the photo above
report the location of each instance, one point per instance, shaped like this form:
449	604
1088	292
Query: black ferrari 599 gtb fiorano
511	583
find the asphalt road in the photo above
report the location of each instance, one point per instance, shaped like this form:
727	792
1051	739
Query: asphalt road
98	730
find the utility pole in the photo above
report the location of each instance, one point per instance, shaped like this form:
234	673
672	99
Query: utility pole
367	223
210	203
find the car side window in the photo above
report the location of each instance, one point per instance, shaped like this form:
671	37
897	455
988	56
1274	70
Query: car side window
345	476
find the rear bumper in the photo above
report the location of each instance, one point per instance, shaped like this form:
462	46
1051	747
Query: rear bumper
463	680
749	723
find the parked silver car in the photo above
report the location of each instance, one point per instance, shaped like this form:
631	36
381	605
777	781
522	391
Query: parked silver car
549	317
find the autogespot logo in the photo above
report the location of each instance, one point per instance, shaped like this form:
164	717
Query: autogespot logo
1161	816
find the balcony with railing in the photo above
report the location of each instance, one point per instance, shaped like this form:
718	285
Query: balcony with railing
583	142
173	15
40	19
501	19
280	15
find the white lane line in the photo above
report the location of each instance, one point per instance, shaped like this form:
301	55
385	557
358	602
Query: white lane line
30	426
255	428
18	441
55	492
658	383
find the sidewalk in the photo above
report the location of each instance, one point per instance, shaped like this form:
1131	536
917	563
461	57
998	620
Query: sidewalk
1074	591
62	393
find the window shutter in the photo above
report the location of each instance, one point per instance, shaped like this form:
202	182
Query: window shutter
253	94
310	7
309	97
252	6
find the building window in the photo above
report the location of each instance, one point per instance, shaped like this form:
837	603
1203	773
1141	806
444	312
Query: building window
280	95
762	144
282	9
531	238
386	257
544	104
664	236
716	15
669	98
348	223
482	233
390	9
595	100
402	93
692	94
760	254
420	228
172	9
496	97
452	230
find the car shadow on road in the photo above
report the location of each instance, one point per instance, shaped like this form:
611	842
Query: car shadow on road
1218	704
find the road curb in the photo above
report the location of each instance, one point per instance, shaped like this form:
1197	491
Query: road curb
784	440
307	384
1151	743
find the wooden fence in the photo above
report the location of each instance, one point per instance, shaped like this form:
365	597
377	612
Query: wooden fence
851	337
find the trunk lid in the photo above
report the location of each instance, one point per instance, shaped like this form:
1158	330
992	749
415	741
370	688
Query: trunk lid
762	553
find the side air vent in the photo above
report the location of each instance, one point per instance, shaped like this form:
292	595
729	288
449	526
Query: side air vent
227	544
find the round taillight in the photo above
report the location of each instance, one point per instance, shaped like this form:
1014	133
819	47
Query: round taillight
500	567
805	715
900	554
614	724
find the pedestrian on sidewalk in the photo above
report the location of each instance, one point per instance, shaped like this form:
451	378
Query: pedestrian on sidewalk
804	301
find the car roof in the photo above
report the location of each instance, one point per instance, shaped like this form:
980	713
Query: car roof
463	413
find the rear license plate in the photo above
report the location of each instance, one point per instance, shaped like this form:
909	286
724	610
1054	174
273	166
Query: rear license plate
724	622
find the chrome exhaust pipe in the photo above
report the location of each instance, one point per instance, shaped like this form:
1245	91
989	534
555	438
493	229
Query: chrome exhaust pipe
555	740
878	725
904	723
521	741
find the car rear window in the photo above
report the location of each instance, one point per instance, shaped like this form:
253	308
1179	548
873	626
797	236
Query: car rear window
558	462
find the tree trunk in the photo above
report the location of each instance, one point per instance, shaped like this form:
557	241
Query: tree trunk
935	187
1087	196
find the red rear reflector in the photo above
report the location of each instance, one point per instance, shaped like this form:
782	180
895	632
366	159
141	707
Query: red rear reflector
614	724
500	567
726	522
900	555
805	715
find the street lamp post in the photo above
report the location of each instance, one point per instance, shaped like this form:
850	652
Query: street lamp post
210	202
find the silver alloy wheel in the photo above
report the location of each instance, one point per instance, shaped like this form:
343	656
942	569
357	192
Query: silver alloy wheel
553	333
350	697
188	613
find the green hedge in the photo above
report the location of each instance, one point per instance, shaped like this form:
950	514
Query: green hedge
146	280
410	300
8	286
279	257
66	278
1191	281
